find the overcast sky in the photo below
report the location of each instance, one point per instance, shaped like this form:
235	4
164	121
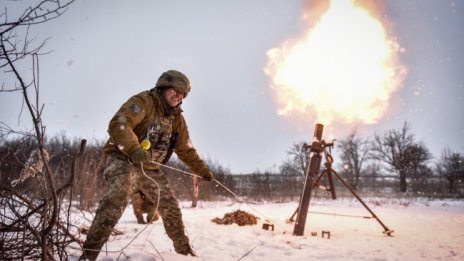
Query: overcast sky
106	51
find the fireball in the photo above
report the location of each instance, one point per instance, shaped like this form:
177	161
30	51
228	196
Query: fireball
345	68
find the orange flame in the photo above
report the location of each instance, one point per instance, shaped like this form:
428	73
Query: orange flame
344	69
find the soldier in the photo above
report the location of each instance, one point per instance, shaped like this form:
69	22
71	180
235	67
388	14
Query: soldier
142	204
143	133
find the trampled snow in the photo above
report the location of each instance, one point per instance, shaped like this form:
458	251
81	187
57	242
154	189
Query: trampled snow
423	230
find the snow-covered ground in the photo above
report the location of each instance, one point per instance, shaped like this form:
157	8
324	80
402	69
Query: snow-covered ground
424	230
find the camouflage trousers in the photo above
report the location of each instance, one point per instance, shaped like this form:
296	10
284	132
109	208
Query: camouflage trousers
123	179
141	204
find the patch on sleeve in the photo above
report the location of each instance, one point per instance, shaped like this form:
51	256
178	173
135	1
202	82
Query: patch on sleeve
135	108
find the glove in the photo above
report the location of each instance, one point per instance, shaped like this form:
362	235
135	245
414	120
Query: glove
139	156
208	176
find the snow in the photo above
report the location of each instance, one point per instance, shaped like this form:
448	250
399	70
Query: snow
423	230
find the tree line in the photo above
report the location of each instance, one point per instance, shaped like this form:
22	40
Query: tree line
390	163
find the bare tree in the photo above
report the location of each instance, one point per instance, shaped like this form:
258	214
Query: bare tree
354	151
297	162
400	151
36	216
419	172
450	167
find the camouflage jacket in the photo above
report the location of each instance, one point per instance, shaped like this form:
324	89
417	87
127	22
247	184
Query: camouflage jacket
144	116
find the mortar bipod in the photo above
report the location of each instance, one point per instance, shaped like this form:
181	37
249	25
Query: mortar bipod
326	147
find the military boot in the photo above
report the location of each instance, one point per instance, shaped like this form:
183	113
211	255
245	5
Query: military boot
140	219
185	249
137	204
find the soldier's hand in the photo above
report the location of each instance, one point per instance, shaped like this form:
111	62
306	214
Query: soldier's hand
139	156
208	176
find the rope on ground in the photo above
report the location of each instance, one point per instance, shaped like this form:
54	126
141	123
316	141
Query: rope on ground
153	245
247	253
338	214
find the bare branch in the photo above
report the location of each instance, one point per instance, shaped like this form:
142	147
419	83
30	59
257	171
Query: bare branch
17	45
44	11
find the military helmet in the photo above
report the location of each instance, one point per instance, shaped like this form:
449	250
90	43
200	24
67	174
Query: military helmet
174	79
